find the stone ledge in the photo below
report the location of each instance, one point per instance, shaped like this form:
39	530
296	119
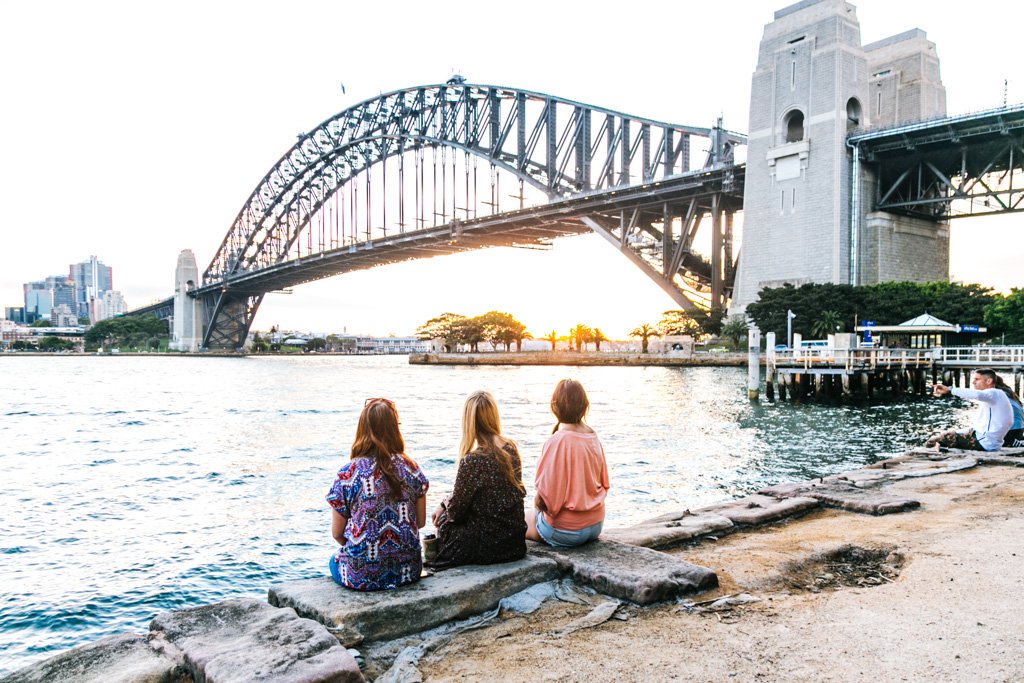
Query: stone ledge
761	508
629	572
671	529
126	658
354	616
248	640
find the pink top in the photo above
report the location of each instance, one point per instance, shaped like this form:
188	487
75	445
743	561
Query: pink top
572	480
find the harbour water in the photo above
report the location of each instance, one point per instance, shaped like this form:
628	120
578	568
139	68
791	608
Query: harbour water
135	485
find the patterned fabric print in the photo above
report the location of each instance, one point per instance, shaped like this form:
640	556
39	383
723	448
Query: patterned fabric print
483	521
382	540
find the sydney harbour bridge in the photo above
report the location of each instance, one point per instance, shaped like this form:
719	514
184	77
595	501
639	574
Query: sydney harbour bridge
446	168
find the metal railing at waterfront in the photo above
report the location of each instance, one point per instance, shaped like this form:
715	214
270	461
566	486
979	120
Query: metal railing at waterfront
826	371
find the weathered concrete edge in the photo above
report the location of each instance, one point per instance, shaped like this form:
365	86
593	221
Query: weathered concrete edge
413	613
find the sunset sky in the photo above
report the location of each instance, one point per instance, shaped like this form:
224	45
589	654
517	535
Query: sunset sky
134	130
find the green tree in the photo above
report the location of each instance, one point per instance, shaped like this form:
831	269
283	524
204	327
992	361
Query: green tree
1006	313
127	331
551	337
55	344
42	322
679	322
446	327
469	331
644	332
827	323
502	328
316	344
597	336
735	329
580	334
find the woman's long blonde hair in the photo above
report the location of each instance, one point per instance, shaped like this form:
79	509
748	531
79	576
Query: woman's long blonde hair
481	428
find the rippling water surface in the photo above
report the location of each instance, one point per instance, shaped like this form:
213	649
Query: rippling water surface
134	485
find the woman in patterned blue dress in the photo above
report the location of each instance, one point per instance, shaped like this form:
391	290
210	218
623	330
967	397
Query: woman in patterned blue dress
378	506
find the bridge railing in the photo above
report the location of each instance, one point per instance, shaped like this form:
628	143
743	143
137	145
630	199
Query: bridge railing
982	356
856	359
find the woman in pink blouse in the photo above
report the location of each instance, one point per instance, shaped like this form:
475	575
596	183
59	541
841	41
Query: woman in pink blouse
572	475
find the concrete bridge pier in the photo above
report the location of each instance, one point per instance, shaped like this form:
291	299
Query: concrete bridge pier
188	323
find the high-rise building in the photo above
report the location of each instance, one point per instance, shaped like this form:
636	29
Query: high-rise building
38	301
109	305
92	278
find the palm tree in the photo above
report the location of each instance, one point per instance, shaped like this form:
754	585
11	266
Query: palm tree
580	333
827	323
552	337
644	332
598	336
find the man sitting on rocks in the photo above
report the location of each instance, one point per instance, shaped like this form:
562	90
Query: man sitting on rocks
993	420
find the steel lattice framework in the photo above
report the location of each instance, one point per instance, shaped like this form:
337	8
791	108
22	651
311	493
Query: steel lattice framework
397	177
953	167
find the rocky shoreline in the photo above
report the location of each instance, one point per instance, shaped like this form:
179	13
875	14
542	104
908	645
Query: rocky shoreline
307	631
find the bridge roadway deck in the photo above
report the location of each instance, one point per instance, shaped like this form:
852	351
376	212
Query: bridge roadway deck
532	226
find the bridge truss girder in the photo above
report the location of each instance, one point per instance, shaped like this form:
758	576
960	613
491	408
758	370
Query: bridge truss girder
557	147
955	168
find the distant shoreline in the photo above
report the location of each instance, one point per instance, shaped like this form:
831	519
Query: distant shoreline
577	358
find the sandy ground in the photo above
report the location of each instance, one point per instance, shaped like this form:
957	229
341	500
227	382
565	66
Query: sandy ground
937	600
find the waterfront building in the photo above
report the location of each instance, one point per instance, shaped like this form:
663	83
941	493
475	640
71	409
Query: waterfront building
108	305
391	345
62	316
92	278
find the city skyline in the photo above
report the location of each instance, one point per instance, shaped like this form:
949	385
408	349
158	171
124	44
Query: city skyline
165	142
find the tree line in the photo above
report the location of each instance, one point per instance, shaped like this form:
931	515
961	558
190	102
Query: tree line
822	309
493	327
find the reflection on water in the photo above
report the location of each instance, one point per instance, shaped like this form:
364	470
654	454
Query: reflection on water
137	485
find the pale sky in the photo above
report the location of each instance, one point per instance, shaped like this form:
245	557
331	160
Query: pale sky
133	130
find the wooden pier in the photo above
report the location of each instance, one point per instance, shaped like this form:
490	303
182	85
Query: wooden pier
824	373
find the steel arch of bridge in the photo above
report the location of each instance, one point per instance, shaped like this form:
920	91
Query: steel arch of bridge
558	147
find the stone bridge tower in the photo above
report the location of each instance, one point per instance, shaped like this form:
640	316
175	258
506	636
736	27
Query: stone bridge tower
187	325
814	85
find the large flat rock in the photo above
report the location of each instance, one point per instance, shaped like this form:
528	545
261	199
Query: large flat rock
248	640
761	509
126	658
669	530
354	616
629	572
844	495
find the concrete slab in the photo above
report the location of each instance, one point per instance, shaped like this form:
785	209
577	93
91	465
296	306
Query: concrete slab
248	640
761	509
354	616
629	572
673	529
844	495
125	658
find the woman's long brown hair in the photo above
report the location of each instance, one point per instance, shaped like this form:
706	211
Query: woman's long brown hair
481	428
378	438
569	403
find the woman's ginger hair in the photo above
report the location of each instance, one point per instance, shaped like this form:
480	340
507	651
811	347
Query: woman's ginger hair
378	438
569	403
481	429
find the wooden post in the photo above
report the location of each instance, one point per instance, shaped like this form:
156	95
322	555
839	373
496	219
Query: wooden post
769	353
783	385
846	384
753	363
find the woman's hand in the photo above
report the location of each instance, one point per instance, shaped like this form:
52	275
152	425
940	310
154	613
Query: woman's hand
436	517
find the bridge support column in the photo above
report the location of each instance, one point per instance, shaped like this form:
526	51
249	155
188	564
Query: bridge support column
188	324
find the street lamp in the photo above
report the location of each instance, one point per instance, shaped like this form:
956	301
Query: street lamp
789	328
